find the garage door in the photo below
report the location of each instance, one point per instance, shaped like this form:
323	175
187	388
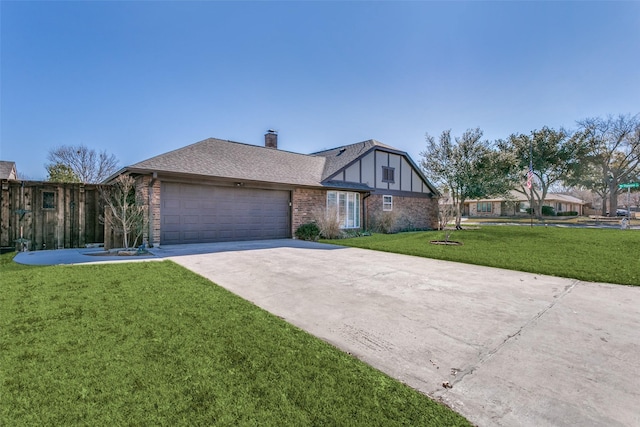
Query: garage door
200	213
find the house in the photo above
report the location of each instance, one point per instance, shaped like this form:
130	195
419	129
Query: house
217	190
8	170
517	204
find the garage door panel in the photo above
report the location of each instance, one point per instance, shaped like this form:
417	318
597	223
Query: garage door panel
171	219
198	213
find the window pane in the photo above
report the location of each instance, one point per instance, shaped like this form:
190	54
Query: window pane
342	207
356	215
332	199
48	200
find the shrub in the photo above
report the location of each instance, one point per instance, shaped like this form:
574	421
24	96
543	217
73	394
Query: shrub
548	211
385	222
353	232
568	213
308	231
328	223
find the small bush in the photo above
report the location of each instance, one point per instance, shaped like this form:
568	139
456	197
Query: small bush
385	222
308	231
569	213
548	211
353	232
328	223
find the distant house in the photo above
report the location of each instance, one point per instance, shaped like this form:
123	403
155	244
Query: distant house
217	190
8	170
518	203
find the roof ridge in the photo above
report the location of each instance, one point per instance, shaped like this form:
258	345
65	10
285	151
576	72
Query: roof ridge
212	139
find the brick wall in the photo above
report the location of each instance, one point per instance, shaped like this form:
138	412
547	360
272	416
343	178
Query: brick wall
305	203
495	209
408	213
148	190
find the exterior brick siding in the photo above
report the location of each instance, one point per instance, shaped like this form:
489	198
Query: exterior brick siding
304	204
408	213
148	190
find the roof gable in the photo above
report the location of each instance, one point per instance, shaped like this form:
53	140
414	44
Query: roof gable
8	170
341	158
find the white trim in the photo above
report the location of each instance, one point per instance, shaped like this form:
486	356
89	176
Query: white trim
387	205
347	205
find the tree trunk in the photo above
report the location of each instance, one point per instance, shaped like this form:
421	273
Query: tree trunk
613	199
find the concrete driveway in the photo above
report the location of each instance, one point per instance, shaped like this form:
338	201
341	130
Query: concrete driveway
517	349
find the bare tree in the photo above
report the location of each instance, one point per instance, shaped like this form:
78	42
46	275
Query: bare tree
446	210
614	156
87	164
125	214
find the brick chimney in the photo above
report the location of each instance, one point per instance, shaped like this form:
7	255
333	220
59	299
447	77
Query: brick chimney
271	139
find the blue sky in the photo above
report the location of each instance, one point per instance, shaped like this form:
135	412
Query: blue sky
141	78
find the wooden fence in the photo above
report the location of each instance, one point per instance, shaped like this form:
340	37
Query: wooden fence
37	215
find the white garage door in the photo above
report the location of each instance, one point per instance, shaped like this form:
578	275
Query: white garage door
200	213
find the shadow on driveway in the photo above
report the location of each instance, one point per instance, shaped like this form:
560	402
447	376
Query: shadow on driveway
93	255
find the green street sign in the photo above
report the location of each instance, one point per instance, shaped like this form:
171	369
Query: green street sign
629	185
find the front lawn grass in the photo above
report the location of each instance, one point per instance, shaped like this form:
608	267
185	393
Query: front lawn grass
596	255
154	344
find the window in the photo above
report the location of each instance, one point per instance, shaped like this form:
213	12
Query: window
48	200
388	174
387	203
346	206
483	207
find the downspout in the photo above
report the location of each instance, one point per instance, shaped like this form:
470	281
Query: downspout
154	177
364	212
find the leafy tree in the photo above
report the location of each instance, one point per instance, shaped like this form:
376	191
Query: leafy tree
464	167
614	155
59	172
86	163
556	156
125	214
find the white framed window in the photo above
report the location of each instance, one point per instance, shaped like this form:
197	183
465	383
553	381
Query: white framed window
387	203
346	206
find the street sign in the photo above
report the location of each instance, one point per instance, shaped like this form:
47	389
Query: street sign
629	185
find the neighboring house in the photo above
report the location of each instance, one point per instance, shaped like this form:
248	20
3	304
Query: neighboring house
8	170
518	203
216	190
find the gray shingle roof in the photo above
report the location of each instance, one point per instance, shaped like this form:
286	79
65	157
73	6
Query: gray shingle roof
244	162
234	160
7	170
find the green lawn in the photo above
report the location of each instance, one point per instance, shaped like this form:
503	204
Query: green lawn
154	344
598	255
